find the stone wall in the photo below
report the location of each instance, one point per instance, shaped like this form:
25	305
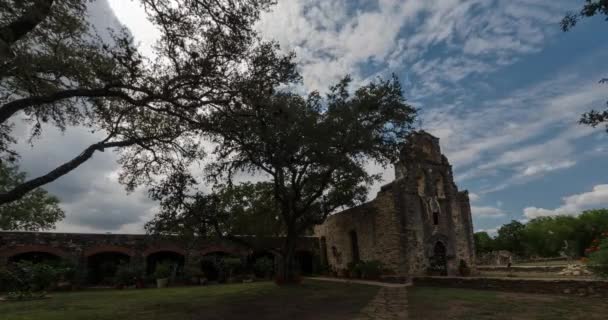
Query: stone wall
376	229
594	288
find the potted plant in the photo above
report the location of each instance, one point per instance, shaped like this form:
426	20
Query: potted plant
162	274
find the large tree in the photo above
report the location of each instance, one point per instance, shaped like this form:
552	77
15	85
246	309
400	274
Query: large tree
589	9
313	150
55	69
37	210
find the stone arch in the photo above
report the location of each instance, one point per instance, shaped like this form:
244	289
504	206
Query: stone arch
12	252
108	249
102	265
228	250
165	248
175	259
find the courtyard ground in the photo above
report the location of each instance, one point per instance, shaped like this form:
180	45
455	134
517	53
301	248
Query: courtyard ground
456	304
311	300
261	300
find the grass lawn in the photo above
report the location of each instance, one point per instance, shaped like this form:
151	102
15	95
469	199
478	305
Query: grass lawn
446	304
260	300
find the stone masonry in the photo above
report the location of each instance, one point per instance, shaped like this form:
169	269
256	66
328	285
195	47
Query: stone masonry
418	224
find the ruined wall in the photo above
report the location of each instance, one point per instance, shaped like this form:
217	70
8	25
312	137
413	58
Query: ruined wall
377	232
419	214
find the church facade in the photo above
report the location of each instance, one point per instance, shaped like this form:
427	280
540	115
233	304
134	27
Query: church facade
418	224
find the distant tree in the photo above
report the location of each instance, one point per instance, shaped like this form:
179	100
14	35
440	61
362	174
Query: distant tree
313	150
510	237
590	9
551	236
483	243
55	69
35	211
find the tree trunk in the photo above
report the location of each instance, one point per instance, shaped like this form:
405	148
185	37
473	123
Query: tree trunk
289	272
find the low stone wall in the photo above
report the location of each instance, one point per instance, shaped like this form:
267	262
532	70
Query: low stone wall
595	288
521	268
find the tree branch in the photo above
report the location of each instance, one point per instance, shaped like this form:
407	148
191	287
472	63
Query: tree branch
20	190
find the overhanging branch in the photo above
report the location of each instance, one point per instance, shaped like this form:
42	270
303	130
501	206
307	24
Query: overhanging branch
19	191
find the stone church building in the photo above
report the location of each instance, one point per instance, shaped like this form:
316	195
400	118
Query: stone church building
418	224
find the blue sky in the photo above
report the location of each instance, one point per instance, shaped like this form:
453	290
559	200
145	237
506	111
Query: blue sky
497	81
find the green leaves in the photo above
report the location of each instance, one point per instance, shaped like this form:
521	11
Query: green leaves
35	211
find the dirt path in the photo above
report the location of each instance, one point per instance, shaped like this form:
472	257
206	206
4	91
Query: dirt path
389	304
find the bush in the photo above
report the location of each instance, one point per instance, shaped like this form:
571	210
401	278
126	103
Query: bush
162	270
365	269
232	266
127	275
26	280
370	269
264	267
598	256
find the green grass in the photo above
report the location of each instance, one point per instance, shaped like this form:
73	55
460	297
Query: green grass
455	304
261	300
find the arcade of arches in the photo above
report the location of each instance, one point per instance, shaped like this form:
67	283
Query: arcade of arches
100	255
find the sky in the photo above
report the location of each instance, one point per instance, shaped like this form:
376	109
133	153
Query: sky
497	81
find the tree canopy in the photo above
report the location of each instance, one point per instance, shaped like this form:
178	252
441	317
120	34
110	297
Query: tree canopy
246	209
56	69
563	235
35	211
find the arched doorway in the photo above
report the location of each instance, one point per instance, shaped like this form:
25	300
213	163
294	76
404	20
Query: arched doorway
304	261
36	257
211	264
439	264
262	263
102	267
174	259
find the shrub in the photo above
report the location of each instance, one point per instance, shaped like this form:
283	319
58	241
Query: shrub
162	270
232	266
370	269
127	275
26	280
598	256
264	266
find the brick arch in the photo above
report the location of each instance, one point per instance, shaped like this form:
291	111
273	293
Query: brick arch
11	252
165	248
212	249
108	248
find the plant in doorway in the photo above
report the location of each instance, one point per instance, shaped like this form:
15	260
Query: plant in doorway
162	273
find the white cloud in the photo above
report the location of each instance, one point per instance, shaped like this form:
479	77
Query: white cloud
574	204
473	197
487	212
492	231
